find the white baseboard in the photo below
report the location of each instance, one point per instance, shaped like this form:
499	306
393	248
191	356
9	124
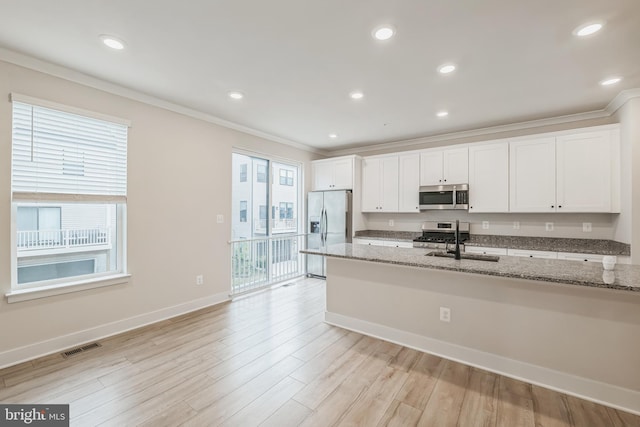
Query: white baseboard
61	343
584	388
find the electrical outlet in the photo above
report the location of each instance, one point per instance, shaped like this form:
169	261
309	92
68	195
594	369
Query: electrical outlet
516	225
548	226
199	279
485	225
445	314
586	227
219	218
391	223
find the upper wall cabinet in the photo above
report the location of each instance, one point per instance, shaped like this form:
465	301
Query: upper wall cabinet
569	173
533	175
333	174
587	173
409	183
380	184
489	177
441	166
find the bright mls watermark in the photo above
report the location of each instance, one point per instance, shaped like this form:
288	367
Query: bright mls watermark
34	415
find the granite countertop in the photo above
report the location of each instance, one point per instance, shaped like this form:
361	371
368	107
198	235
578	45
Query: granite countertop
553	244
623	277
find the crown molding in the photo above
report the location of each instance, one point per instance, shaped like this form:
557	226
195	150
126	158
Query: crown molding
608	111
62	72
474	132
65	73
621	99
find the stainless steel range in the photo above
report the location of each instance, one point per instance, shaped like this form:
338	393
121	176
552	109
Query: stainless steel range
439	235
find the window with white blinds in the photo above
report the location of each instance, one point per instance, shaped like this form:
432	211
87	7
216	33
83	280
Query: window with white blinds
65	156
74	163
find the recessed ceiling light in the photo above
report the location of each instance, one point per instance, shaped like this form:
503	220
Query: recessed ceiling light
333	136
446	68
236	95
442	114
356	95
610	81
588	29
112	42
384	32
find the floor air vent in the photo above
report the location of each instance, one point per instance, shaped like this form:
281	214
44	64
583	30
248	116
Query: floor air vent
81	349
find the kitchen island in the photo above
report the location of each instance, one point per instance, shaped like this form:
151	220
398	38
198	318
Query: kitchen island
566	325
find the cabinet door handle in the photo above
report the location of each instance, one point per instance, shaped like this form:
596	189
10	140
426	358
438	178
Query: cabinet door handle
559	206
552	206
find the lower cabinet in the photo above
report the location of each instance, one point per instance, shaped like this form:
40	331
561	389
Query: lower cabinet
532	254
568	256
580	257
400	244
378	242
370	242
485	250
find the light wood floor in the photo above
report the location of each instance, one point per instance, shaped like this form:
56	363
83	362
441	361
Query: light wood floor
269	360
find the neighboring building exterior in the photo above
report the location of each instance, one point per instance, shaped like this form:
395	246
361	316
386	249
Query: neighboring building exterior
250	213
63	240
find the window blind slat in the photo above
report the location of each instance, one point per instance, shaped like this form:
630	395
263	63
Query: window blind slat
57	152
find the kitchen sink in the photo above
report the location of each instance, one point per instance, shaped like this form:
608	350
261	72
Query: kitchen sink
476	257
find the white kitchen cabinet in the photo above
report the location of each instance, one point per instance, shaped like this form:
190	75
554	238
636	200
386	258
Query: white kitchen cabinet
409	183
532	254
371	171
333	174
580	257
380	184
532	170
380	242
370	242
489	177
485	250
398	244
440	166
573	172
584	173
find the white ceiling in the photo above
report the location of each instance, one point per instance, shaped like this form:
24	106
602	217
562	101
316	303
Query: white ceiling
298	60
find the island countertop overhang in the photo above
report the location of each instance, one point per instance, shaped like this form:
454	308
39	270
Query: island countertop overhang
622	278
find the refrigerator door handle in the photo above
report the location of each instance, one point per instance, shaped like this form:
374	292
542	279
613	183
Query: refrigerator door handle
322	228
326	225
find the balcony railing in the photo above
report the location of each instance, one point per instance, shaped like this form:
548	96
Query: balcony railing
59	239
278	225
259	263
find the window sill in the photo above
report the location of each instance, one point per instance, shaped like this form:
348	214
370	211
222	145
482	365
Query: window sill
65	288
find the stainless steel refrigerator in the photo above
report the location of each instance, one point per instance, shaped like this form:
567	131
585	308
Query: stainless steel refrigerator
329	222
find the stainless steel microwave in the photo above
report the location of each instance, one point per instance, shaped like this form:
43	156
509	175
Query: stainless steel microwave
444	197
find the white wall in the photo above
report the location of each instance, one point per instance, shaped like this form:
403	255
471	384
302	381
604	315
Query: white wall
629	219
179	179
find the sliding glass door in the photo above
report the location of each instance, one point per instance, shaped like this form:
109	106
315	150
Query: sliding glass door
266	222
